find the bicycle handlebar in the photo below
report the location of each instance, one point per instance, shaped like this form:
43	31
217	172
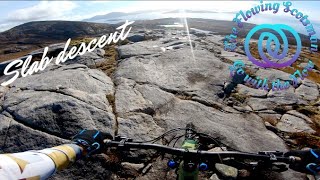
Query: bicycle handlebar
265	156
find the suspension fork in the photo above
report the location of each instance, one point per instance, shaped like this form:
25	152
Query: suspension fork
188	168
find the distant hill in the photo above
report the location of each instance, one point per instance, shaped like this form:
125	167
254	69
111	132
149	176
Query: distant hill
190	11
113	15
33	35
108	16
40	31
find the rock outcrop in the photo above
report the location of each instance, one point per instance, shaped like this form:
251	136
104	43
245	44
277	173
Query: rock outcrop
157	85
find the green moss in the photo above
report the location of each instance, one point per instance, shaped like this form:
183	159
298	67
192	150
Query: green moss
239	97
251	73
77	42
110	63
112	101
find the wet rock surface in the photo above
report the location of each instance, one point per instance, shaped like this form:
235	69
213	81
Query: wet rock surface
157	85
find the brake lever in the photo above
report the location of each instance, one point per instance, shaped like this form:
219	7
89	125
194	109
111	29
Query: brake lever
121	139
276	153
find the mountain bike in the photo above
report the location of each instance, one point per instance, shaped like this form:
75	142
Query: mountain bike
194	156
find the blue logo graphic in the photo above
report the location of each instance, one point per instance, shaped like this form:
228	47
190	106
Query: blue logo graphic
274	53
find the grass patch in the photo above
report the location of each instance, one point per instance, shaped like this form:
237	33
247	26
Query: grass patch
5	57
254	50
313	113
226	60
308	110
110	63
271	120
239	97
11	56
112	101
314	57
313	76
78	41
305	140
111	55
250	72
304	56
316	120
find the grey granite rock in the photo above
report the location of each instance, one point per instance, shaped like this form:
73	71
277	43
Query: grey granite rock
227	171
140	126
136	37
308	91
139	49
299	115
62	101
247	91
158	85
89	58
176	71
289	123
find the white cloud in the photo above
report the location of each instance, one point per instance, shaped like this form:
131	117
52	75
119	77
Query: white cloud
80	17
99	2
44	10
220	6
6	26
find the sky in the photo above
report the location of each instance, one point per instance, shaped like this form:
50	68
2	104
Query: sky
13	13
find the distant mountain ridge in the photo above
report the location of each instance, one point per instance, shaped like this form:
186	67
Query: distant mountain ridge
190	11
113	15
33	32
32	35
107	16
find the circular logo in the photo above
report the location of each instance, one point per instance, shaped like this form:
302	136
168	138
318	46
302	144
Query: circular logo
272	46
271	49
